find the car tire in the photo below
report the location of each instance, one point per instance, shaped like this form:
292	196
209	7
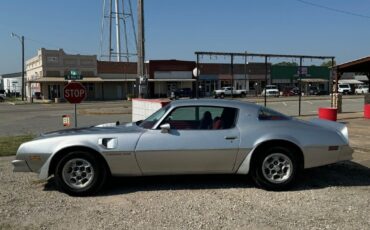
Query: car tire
275	168
79	173
222	96
242	95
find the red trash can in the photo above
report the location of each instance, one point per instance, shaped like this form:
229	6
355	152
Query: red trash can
328	114
66	120
367	111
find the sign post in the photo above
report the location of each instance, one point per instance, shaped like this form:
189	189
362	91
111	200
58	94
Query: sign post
74	92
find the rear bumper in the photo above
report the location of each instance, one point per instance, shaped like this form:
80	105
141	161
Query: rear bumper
345	153
20	166
318	156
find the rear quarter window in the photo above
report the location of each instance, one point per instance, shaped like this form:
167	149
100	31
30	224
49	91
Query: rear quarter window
269	114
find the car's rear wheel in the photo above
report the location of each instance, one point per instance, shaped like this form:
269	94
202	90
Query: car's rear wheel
80	173
275	168
222	96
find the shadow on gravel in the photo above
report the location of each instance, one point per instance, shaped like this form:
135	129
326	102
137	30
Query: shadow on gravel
188	182
345	174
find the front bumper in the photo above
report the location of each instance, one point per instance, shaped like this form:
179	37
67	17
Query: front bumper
20	166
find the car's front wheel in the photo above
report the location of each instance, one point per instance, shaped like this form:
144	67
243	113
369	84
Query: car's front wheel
275	168
79	173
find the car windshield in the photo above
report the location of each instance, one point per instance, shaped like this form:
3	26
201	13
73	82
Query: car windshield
343	86
152	119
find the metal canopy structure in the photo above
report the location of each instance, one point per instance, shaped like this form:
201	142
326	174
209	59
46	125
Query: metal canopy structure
361	65
265	56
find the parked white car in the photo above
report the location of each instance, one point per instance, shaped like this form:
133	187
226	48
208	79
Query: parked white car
361	89
270	90
344	89
228	91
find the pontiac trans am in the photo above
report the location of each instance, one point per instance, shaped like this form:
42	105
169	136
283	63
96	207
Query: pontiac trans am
197	136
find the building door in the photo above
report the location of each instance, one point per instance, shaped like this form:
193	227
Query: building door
208	88
119	92
53	91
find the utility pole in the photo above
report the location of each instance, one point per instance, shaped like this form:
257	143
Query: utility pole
23	89
21	39
118	32
141	48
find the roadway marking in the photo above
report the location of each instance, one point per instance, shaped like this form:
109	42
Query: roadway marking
285	104
309	102
349	100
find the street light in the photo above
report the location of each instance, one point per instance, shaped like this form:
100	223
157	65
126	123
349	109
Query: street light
21	39
196	73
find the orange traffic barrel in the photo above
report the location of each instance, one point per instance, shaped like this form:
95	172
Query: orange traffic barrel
328	113
367	111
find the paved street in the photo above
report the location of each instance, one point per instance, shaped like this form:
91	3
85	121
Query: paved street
37	118
310	105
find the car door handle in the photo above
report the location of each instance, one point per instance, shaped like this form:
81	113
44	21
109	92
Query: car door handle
231	137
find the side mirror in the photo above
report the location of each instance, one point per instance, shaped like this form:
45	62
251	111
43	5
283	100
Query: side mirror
165	128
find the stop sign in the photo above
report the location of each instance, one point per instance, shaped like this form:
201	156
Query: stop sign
74	92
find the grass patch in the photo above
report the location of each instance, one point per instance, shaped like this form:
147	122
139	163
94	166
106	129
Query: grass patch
9	145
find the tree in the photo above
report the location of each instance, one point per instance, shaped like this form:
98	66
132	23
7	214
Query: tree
285	63
328	63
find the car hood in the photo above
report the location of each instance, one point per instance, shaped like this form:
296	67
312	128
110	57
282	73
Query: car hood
110	128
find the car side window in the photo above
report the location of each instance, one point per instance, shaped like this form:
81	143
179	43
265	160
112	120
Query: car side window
201	118
268	114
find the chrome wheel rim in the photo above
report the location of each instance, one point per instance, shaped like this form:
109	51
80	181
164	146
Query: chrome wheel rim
78	173
277	168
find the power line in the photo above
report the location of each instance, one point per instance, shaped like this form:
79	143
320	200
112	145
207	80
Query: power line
333	9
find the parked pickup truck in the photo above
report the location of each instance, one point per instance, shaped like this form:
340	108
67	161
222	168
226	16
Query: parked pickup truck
226	91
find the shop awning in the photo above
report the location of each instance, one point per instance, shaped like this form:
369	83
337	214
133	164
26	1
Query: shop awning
85	79
350	81
314	80
165	80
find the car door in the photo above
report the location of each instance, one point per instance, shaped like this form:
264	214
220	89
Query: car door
186	148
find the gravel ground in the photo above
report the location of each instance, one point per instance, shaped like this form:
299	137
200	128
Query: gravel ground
330	197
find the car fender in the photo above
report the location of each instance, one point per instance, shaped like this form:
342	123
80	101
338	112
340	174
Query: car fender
44	171
245	165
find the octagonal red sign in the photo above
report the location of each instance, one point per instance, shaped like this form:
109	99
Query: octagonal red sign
74	92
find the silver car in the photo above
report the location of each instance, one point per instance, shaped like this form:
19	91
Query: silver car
188	137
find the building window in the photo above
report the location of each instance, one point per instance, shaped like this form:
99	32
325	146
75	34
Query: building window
87	73
52	73
52	59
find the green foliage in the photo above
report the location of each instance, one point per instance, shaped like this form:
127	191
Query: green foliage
328	63
285	63
10	144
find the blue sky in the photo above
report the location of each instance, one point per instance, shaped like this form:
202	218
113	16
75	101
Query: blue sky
176	29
